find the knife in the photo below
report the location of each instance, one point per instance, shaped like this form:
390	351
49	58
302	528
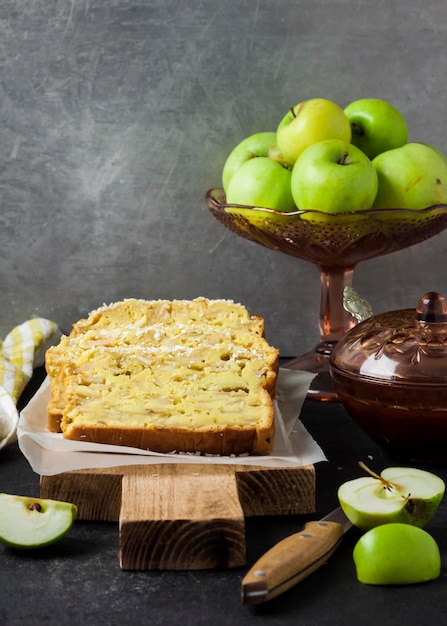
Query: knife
294	558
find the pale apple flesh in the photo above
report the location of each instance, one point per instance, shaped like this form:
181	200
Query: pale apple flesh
407	495
27	522
396	554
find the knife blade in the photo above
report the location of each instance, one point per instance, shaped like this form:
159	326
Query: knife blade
294	558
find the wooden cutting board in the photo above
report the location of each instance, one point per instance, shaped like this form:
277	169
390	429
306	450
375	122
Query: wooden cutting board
183	516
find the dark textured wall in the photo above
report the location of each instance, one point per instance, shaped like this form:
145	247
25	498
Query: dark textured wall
117	116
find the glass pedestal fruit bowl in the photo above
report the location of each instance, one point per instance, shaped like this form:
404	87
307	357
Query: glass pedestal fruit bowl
390	372
335	243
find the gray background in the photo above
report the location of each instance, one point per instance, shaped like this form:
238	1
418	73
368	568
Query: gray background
117	116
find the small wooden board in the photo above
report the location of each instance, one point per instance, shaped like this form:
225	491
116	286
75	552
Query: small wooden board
183	516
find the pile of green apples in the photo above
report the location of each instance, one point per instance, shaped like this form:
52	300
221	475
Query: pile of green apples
325	158
392	509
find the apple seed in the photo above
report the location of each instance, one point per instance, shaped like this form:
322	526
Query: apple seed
35	506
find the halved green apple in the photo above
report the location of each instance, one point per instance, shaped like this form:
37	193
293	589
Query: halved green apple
396	554
400	494
27	522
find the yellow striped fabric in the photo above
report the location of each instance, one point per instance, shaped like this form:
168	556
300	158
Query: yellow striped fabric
22	350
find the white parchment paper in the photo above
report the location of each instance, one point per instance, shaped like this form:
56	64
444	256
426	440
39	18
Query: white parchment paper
49	453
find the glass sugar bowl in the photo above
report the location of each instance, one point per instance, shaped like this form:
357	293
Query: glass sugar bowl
390	373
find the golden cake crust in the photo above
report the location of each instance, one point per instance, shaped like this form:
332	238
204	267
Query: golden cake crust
225	441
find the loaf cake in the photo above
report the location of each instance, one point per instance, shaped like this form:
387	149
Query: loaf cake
186	376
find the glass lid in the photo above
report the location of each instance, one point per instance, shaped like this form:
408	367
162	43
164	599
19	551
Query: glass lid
406	346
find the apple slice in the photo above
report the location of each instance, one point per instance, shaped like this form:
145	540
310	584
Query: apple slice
27	522
399	494
396	554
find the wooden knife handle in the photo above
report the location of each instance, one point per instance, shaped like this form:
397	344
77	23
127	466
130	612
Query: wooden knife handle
290	561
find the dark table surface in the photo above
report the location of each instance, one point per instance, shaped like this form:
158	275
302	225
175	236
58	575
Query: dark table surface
78	580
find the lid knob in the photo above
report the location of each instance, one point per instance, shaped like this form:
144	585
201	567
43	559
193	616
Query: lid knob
432	308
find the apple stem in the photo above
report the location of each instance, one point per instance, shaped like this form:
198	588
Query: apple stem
370	471
357	130
386	483
345	159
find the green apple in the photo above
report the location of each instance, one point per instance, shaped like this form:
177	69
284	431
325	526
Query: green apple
377	126
411	177
396	554
399	494
27	522
334	177
309	122
262	182
256	145
437	150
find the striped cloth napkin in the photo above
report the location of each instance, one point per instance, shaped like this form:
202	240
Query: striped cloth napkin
22	350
